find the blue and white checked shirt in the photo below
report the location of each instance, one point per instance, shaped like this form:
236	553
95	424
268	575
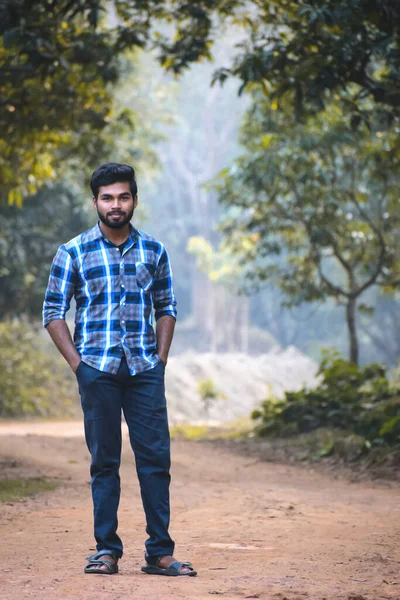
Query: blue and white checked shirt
115	295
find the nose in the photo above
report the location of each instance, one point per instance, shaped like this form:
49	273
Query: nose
116	204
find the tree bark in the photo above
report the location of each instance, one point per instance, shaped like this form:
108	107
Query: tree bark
351	308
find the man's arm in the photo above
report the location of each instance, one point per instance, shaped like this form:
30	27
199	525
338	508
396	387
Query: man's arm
164	302
60	289
61	336
164	334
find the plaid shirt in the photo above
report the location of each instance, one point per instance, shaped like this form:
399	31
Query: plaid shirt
114	295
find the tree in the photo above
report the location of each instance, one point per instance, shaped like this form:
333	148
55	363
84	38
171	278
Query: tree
380	329
55	70
29	238
315	207
304	51
200	139
59	60
298	51
230	333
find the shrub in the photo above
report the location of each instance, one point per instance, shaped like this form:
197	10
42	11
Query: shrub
209	393
32	381
357	399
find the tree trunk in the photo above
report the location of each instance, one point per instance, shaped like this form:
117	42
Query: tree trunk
244	325
351	308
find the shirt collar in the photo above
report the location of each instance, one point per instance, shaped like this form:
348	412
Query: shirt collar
95	233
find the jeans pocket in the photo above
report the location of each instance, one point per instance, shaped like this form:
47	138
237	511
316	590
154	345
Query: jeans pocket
78	368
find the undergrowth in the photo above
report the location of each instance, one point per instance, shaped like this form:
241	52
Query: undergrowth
359	401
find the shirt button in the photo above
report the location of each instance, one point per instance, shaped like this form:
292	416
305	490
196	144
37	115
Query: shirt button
122	322
122	285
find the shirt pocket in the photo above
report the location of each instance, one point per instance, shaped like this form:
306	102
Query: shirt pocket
145	275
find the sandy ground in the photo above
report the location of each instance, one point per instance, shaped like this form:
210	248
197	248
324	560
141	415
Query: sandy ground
252	530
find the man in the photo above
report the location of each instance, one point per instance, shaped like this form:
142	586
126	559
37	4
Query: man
118	274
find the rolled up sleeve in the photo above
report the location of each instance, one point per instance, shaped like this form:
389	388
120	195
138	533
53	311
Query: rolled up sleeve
164	300
60	288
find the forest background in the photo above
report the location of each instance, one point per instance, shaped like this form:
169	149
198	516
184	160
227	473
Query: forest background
265	139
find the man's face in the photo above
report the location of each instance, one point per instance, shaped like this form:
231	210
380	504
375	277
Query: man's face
115	204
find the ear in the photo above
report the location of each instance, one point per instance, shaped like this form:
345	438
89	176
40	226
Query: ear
135	201
94	202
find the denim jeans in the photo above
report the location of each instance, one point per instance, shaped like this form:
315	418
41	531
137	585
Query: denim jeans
141	397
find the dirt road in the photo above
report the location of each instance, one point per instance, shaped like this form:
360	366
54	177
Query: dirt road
253	530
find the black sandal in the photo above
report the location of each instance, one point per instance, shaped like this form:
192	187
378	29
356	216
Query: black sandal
152	568
93	562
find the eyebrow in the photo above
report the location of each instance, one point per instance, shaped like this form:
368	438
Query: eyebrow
111	196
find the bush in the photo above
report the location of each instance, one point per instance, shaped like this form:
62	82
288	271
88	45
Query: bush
32	381
209	393
356	399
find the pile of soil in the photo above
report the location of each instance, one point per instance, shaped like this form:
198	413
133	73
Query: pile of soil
240	381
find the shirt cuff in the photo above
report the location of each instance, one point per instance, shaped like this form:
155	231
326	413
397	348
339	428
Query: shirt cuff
48	318
165	310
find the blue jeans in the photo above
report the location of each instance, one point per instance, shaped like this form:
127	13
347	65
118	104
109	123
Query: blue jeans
141	397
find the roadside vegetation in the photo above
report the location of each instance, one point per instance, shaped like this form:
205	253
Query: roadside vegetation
352	416
34	380
359	400
12	490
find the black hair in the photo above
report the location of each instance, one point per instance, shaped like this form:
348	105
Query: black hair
110	173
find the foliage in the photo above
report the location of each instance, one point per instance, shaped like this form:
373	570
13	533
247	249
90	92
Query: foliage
300	52
231	430
200	140
32	381
381	334
314	207
209	393
207	390
14	489
59	66
351	398
296	52
59	100
29	238
55	71
219	265
58	61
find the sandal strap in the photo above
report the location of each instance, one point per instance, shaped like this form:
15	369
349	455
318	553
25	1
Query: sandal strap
100	553
94	565
154	561
101	562
177	565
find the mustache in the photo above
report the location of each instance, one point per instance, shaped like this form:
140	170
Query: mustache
116	212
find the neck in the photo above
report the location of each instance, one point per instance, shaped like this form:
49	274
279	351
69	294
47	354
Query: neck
116	236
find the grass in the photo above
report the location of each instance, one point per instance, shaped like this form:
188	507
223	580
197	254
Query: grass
235	429
15	489
330	447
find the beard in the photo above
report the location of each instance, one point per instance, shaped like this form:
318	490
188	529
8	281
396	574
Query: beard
118	224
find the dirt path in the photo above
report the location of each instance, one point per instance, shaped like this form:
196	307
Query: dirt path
253	530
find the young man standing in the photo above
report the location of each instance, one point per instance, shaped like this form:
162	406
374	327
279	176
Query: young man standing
118	274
